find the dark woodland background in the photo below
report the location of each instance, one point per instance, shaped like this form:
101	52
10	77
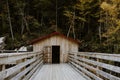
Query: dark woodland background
96	22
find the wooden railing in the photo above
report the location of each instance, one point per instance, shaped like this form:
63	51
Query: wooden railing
96	66
10	51
20	66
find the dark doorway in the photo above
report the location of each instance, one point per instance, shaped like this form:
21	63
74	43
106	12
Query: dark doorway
55	54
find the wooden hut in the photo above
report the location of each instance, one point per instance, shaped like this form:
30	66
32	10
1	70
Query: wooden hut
56	47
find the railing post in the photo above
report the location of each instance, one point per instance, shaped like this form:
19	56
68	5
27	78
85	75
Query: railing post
68	57
98	68
23	60
3	67
75	57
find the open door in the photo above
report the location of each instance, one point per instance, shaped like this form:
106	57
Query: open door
55	54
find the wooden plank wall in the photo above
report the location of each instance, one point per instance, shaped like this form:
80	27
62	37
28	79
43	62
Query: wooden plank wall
47	57
25	65
97	66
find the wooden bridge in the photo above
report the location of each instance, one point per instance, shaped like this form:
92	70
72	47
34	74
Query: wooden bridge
80	66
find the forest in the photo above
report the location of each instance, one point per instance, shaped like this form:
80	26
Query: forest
96	23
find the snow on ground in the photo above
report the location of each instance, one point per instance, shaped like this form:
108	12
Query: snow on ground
2	39
23	48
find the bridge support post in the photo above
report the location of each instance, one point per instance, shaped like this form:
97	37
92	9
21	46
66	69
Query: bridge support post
75	58
3	67
98	68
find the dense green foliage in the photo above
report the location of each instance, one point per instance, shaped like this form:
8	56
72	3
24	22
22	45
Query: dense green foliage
96	22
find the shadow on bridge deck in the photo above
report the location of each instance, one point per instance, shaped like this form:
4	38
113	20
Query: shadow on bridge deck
58	72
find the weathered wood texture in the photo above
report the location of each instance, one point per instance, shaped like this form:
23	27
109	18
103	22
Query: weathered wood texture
97	66
65	46
58	72
47	54
25	65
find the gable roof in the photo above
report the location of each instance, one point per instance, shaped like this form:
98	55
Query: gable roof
54	34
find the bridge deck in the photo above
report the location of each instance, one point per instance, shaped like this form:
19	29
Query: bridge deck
58	72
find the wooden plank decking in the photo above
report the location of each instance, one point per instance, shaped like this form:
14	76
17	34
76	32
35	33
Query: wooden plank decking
58	72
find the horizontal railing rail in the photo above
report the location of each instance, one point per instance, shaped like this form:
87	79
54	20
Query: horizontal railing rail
96	66
21	65
10	51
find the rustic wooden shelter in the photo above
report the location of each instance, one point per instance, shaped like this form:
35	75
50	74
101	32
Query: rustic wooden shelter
56	47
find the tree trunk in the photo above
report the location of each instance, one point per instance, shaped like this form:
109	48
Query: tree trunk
9	19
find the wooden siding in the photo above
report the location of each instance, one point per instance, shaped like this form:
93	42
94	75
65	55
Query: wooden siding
65	46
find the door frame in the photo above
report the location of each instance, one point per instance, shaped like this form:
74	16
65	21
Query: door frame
56	54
